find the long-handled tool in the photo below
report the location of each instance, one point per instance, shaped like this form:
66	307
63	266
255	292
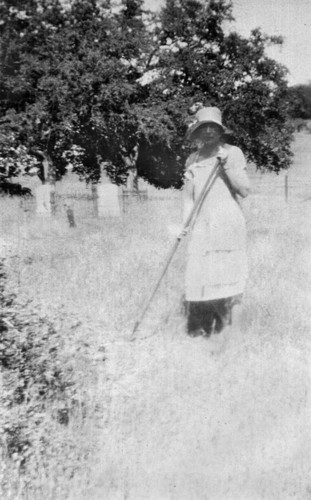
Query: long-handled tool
190	220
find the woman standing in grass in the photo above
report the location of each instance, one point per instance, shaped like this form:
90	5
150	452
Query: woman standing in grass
217	264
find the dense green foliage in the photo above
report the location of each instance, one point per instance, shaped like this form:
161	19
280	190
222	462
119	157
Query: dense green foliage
33	374
41	359
90	84
300	101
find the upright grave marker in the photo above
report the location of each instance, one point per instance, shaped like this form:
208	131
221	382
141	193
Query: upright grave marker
43	200
108	204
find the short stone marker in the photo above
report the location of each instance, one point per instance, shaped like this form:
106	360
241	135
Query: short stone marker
43	200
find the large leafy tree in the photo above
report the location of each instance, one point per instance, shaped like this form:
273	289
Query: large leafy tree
199	62
89	84
67	80
27	122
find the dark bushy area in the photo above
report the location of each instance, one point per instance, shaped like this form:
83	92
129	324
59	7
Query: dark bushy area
300	101
14	189
35	376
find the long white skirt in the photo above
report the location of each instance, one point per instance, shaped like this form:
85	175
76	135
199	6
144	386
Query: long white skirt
215	274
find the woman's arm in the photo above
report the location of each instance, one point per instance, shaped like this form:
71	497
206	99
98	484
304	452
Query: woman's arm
188	193
235	172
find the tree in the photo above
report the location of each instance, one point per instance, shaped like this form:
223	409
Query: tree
199	62
121	91
28	32
75	106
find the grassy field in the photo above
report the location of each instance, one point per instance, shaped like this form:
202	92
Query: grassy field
166	416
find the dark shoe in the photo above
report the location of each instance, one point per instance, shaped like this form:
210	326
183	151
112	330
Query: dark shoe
220	323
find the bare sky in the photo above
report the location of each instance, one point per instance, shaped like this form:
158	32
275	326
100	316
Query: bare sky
289	18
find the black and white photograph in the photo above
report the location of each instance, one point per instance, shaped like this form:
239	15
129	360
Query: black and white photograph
155	250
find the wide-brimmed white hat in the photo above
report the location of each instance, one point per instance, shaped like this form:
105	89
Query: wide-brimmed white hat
206	115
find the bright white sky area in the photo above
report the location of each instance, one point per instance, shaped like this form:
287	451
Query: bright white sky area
289	18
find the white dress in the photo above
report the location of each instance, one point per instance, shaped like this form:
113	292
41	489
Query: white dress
217	261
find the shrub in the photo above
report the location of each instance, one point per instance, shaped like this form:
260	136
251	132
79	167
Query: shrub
37	377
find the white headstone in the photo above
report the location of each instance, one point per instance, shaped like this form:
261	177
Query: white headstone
108	200
43	200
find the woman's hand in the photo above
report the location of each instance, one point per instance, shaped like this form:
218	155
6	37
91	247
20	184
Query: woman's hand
222	154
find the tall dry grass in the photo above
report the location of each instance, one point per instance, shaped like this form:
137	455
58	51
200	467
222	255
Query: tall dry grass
91	282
